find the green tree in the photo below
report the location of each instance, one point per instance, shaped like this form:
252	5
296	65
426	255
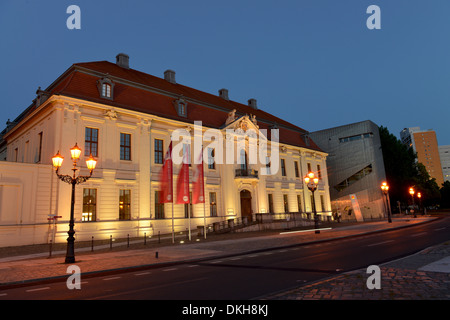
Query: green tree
445	195
399	164
426	185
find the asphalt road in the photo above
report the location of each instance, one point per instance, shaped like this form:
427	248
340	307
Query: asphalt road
249	276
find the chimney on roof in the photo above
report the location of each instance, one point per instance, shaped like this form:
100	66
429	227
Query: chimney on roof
123	60
252	103
169	75
223	93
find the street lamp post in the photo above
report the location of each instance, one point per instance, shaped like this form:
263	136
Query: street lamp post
312	182
57	160
385	189
411	192
419	195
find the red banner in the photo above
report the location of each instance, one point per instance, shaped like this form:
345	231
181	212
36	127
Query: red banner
183	180
198	192
166	178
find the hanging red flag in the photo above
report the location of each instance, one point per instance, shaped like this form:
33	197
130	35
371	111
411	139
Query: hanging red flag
166	178
198	192
183	178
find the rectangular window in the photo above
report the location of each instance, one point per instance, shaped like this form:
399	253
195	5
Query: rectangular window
286	204
212	204
322	203
89	205
268	172
211	162
106	90
309	167
283	168
16	154
297	172
159	153
270	198
125	146
91	142
299	203
319	174
40	147
159	207
125	205
27	150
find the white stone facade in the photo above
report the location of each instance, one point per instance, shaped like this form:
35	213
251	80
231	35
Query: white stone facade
30	190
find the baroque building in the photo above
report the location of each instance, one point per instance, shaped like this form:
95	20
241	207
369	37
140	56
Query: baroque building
126	120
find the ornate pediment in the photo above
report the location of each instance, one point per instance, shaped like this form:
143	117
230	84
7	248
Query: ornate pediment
243	123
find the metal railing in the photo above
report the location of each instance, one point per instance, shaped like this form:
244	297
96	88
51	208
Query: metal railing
260	218
246	173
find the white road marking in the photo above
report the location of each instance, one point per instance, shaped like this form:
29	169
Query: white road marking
379	243
142	273
112	278
37	289
171	269
418	234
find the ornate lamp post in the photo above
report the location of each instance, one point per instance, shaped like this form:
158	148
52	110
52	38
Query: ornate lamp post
385	189
57	162
411	192
312	182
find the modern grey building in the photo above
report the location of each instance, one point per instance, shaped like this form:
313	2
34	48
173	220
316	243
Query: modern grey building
355	169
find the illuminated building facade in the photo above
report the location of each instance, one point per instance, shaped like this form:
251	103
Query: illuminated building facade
125	119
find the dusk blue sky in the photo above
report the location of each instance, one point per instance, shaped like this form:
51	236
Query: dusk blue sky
313	63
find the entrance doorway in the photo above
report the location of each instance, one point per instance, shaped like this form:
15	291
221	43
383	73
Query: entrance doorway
246	204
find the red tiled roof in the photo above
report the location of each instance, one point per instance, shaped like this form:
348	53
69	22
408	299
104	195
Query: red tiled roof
81	83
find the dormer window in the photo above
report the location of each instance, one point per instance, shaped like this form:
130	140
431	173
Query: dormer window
181	106
106	88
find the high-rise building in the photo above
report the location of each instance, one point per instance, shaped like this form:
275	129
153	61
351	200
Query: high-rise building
444	153
424	143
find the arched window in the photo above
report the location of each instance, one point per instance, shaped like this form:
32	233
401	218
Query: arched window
181	106
106	88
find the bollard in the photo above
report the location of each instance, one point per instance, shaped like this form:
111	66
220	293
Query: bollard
145	238
128	240
156	255
50	248
92	244
110	242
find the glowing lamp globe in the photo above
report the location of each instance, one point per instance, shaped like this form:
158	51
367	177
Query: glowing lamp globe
57	160
91	162
75	152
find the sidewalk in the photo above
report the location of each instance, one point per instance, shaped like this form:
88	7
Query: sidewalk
24	269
